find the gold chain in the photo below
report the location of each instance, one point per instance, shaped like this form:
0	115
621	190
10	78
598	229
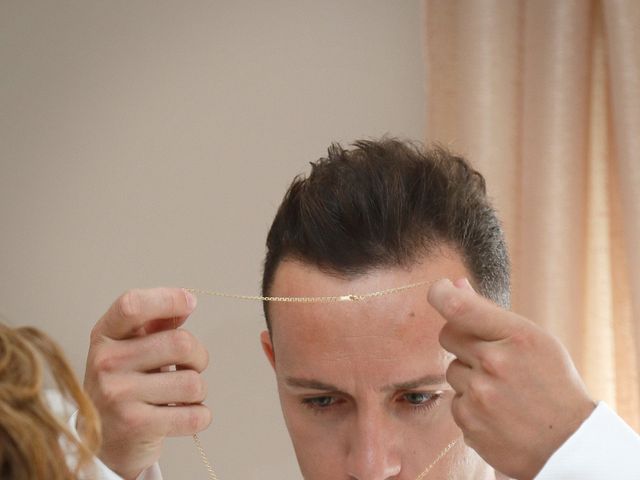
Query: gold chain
212	474
351	297
446	449
203	456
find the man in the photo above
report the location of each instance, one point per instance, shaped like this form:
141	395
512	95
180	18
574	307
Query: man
368	388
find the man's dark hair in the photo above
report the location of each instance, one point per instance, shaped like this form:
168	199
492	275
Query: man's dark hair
386	203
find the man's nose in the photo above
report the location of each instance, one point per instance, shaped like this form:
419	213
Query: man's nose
373	449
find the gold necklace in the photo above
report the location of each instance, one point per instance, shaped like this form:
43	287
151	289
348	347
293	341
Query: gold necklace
212	474
350	297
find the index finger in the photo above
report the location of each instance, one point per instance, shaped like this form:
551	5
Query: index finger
136	308
469	312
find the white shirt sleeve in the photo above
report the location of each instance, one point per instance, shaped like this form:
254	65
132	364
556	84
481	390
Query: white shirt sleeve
102	472
604	447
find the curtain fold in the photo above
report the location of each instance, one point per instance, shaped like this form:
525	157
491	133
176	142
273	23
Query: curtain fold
544	98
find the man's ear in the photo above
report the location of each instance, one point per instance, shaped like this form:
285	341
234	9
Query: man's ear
267	347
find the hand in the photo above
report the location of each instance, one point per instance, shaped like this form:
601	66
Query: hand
139	401
518	394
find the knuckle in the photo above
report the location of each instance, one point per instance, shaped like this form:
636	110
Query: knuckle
454	305
522	339
134	420
493	362
464	417
129	304
111	391
187	422
194	420
194	386
183	342
103	362
169	300
480	391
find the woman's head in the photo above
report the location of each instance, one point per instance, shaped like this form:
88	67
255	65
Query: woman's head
34	441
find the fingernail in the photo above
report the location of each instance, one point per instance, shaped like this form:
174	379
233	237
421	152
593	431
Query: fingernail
445	281
432	296
469	286
464	284
192	301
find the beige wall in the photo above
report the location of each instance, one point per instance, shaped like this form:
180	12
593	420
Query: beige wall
148	143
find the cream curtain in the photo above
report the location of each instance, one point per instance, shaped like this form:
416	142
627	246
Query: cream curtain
544	97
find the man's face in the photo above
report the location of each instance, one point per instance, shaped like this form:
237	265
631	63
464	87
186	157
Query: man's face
362	384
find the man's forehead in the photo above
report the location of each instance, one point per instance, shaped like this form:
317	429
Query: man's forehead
376	341
354	352
296	278
373	327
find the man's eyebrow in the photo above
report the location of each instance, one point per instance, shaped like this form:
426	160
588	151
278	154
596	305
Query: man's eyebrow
424	381
310	384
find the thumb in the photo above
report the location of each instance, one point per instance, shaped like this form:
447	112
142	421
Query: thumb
463	283
469	312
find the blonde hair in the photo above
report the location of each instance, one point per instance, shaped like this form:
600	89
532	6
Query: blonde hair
34	442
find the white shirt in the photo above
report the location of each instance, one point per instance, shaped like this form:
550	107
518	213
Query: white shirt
604	447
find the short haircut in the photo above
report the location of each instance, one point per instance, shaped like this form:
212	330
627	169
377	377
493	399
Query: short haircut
386	203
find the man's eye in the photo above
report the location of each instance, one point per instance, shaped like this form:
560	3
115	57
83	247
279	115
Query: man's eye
420	398
319	402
